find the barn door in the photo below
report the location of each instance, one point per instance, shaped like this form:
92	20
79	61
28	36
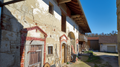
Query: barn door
35	56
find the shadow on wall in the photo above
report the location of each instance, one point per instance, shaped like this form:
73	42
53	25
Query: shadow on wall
12	45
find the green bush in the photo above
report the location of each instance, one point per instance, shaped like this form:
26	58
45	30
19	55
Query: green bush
67	63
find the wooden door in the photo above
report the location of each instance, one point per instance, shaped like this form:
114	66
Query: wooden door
63	54
35	56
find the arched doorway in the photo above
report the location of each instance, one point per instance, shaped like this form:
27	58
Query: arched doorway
72	39
63	48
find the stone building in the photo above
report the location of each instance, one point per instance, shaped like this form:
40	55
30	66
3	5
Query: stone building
35	32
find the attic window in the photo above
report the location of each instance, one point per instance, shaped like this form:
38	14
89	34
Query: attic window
51	8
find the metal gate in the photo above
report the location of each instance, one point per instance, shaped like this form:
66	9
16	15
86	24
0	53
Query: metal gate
35	56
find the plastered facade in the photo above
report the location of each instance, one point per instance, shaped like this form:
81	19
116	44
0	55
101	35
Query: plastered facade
29	14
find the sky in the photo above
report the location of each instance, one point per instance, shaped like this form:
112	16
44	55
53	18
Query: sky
101	15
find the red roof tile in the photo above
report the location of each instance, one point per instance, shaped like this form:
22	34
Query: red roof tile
93	38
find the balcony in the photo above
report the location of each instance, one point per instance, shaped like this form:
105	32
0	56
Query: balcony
82	37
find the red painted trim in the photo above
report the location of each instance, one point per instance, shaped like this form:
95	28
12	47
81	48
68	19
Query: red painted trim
33	38
62	41
32	28
76	41
73	49
63	36
24	38
44	50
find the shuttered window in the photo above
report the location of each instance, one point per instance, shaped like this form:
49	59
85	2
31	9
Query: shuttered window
35	56
51	7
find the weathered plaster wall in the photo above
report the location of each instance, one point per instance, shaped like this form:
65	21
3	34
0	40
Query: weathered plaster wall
118	27
103	47
25	14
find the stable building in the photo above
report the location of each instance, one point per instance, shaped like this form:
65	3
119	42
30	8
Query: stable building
93	43
108	43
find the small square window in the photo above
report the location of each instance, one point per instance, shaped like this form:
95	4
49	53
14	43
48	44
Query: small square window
50	49
51	7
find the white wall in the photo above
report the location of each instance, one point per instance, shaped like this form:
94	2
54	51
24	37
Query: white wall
103	47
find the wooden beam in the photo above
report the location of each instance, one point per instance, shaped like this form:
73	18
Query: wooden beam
74	9
81	23
74	16
75	2
63	1
72	5
77	19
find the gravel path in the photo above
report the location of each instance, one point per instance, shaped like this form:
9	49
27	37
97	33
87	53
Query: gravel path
110	58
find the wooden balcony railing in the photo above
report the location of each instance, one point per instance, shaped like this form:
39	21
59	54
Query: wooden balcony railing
82	37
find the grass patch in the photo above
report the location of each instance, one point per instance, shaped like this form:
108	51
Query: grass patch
94	54
88	52
94	59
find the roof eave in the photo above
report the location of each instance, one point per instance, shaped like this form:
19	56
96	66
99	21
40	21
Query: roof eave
84	15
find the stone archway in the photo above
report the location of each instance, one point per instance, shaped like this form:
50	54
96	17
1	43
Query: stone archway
72	40
63	49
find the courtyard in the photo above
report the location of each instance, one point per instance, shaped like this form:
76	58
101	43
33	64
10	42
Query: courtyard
103	60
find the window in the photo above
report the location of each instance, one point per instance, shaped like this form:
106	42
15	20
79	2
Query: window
50	49
35	55
51	8
63	23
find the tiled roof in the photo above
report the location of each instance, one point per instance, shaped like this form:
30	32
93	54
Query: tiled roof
93	38
108	39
